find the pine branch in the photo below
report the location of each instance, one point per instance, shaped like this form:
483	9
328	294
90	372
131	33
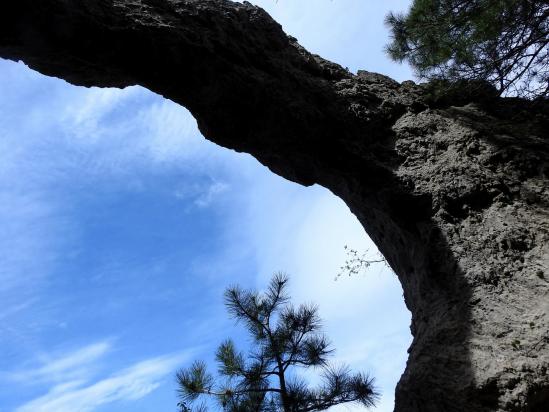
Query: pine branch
260	383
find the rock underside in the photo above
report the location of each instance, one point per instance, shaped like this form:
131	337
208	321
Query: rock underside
454	190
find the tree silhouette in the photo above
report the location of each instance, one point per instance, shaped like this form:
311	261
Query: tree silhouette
284	337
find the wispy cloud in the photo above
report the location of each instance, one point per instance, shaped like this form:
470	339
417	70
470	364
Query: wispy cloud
74	365
129	384
6	313
201	194
209	195
83	139
27	242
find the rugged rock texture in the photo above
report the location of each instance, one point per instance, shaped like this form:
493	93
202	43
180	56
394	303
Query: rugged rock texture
453	190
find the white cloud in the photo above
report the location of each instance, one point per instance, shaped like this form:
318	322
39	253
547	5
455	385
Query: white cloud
83	138
129	384
200	194
119	133
210	194
84	118
74	365
171	134
16	308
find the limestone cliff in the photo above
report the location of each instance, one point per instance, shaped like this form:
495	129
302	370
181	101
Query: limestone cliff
453	190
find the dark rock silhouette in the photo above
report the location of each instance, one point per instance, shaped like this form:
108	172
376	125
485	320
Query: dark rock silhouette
453	189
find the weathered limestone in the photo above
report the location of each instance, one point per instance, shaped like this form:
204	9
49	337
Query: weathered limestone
454	191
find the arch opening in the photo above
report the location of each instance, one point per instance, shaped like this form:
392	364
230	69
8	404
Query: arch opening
125	226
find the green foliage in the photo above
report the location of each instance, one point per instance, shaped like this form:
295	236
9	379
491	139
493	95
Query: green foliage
504	42
285	337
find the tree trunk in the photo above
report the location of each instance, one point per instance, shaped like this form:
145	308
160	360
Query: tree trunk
453	190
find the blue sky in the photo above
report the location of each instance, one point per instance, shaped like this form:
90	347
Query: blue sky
122	226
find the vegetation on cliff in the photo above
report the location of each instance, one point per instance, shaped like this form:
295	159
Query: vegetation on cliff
505	42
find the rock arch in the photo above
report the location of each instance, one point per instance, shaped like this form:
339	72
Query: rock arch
453	190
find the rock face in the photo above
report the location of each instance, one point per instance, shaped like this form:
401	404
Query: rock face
453	190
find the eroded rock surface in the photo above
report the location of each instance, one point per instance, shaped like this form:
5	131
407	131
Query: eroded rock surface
453	190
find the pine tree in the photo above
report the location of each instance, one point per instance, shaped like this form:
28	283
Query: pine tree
503	42
284	337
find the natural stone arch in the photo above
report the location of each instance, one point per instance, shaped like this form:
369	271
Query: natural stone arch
454	193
